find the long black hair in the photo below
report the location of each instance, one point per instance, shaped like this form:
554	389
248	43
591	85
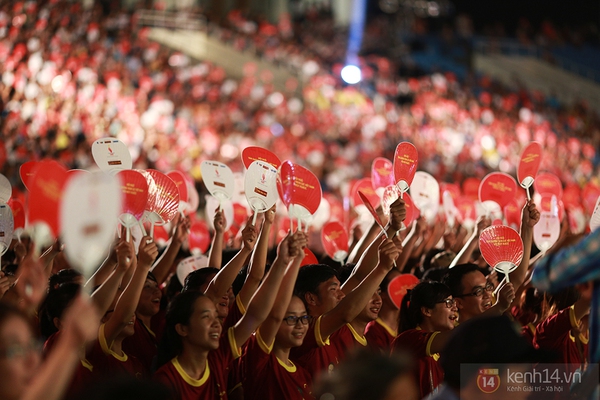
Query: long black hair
179	312
425	294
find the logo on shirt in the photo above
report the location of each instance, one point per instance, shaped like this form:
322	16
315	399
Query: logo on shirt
488	380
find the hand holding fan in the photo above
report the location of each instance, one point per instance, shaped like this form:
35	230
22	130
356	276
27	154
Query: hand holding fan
89	213
390	195
382	175
134	193
502	248
398	287
218	179
111	155
546	231
260	186
335	240
406	159
45	192
529	165
190	264
254	153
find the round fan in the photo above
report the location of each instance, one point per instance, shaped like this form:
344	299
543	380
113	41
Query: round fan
502	248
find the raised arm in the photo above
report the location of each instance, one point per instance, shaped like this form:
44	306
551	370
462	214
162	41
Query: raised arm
256	271
215	254
352	304
408	245
104	296
368	261
162	266
268	329
130	297
529	217
224	279
466	252
261	303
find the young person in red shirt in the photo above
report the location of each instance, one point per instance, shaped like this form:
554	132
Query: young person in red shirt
194	357
381	332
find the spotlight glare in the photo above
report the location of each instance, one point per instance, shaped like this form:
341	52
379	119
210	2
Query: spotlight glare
351	74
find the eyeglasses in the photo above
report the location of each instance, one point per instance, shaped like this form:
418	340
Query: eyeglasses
20	350
478	291
293	320
449	303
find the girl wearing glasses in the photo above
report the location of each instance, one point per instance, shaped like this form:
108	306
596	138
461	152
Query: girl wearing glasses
427	316
266	358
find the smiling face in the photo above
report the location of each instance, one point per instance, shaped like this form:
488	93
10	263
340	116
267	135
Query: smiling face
204	328
19	360
289	336
471	306
440	318
149	304
371	311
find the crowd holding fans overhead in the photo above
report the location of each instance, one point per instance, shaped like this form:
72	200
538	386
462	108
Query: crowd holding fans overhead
258	321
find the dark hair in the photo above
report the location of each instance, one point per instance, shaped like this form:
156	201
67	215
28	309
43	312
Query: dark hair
310	277
435	274
364	375
344	272
197	278
54	305
453	278
425	294
173	288
179	312
66	275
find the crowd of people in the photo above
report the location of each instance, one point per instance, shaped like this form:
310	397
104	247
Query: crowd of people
257	322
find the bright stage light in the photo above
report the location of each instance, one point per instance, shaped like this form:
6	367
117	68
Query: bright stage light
351	74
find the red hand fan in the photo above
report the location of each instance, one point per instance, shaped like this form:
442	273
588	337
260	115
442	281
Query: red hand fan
590	194
179	178
529	165
366	188
199	238
166	199
497	187
452	188
45	191
335	240
309	258
546	182
26	172
466	211
512	215
161	236
502	248
300	190
253	153
406	159
549	203
240	214
134	189
18	213
382	174
572	195
398	287
470	188
371	209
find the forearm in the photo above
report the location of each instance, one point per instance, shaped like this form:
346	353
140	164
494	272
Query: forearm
106	293
365	265
224	279
103	273
162	266
256	270
215	254
517	277
407	248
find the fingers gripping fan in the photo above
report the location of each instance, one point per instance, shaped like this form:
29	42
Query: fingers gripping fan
260	186
335	240
45	192
253	153
300	190
398	287
502	248
6	227
111	155
218	179
89	214
406	160
134	195
529	165
190	264
382	175
546	231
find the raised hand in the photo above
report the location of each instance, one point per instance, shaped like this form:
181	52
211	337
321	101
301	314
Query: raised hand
388	252
220	222
249	236
506	295
147	252
397	214
530	215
